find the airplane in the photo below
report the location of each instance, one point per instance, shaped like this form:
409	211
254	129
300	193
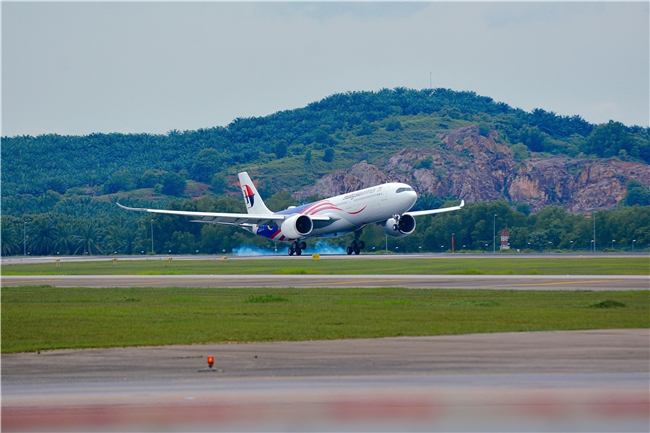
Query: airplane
387	204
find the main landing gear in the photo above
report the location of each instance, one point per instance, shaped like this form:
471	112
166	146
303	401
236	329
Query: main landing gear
356	247
357	244
297	247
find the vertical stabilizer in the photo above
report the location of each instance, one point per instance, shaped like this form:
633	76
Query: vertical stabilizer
254	203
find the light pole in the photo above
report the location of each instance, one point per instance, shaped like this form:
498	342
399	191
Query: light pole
494	234
633	241
613	240
24	238
152	236
594	239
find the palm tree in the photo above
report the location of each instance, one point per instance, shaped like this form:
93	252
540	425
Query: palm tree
65	237
121	235
88	236
10	236
42	234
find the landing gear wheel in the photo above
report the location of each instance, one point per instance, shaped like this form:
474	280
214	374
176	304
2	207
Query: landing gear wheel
303	245
356	247
296	248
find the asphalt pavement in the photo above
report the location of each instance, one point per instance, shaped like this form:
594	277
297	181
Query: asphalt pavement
545	381
491	282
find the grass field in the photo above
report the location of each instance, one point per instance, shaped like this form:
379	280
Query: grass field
430	266
40	318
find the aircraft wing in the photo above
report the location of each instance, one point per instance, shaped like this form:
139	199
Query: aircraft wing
434	211
235	219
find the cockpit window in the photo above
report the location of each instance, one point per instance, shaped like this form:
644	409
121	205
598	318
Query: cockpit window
403	190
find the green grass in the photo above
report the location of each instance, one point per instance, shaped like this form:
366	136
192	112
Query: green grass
296	271
607	303
40	318
476	266
261	299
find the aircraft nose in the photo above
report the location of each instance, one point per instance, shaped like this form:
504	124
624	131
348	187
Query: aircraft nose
413	197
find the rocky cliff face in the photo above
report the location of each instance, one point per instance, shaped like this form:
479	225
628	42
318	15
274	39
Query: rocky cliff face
473	167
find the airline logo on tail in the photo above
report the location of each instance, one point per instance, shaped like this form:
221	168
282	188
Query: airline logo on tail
248	195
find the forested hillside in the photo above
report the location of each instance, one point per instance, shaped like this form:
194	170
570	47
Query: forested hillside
64	187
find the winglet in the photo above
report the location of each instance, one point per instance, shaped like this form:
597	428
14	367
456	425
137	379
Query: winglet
137	209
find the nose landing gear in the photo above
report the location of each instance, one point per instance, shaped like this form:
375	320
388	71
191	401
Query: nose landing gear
396	225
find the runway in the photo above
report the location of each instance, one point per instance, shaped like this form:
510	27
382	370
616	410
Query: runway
491	282
308	256
546	381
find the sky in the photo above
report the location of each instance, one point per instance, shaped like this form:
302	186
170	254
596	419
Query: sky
76	68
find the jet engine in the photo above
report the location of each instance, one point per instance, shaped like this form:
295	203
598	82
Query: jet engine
296	227
399	227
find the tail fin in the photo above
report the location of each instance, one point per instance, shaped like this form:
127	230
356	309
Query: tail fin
254	203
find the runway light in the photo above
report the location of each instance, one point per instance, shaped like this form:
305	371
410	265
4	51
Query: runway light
210	361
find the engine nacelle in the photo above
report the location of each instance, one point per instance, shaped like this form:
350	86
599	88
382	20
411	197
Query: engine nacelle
405	227
297	226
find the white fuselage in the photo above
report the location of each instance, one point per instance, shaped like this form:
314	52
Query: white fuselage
348	212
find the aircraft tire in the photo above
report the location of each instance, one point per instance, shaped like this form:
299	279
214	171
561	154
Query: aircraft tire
362	244
298	252
349	250
290	251
357	250
303	245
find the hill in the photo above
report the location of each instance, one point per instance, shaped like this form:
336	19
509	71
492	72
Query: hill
293	149
58	191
